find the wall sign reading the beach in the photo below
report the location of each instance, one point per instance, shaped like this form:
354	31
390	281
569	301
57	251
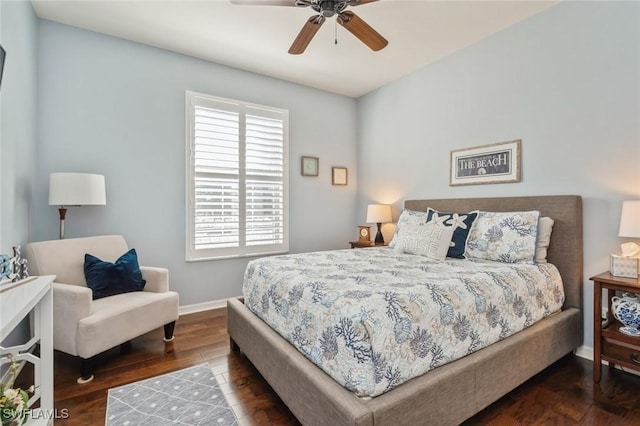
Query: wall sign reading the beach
496	163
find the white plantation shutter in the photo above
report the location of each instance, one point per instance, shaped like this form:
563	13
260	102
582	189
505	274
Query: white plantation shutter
237	179
264	180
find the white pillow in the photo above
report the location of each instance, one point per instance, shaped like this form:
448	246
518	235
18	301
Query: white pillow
508	237
545	226
427	239
407	217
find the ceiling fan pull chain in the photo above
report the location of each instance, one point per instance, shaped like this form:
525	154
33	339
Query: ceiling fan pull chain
335	26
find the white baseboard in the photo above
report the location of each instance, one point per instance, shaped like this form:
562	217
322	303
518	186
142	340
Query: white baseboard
204	306
585	352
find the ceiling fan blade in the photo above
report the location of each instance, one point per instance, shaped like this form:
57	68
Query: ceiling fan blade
358	2
356	26
265	2
305	35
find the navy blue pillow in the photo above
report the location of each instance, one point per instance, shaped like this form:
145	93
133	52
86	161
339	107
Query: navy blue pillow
463	223
108	279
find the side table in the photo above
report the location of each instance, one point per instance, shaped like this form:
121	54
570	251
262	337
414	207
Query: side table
17	301
609	343
360	244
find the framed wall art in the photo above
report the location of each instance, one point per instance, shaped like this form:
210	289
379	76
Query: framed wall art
339	175
495	163
3	54
309	166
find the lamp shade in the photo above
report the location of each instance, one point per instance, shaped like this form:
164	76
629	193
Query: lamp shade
379	213
630	219
76	189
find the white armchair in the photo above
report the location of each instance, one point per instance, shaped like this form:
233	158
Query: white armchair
84	327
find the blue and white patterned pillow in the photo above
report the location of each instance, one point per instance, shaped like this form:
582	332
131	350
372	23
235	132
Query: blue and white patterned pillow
508	237
408	217
461	223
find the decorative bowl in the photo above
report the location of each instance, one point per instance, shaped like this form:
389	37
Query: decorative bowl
626	309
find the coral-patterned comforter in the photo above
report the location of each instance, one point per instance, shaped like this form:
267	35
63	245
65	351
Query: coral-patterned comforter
374	318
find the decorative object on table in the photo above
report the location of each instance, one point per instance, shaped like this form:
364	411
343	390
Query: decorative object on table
364	234
309	166
379	214
627	264
20	267
14	408
13	269
495	163
5	268
339	175
184	397
621	266
75	189
626	309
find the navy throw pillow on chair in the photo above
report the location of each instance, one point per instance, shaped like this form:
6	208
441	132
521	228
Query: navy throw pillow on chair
108	279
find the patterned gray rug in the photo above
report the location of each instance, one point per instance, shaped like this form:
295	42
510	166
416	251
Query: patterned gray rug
186	397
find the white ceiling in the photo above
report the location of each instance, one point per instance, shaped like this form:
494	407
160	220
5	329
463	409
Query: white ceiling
256	38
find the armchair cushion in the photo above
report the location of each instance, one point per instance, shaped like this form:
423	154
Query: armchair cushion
122	317
108	279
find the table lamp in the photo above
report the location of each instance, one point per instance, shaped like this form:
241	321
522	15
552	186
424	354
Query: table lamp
379	214
75	189
627	264
630	227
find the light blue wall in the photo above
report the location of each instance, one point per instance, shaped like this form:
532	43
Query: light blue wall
18	94
566	82
117	108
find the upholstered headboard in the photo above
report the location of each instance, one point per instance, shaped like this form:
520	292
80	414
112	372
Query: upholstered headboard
565	249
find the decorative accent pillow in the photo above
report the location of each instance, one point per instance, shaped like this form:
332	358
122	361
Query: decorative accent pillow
545	226
461	223
108	279
408	217
504	237
427	239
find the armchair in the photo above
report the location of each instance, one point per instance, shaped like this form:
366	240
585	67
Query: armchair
84	327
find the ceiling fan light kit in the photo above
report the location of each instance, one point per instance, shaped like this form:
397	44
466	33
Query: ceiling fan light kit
327	9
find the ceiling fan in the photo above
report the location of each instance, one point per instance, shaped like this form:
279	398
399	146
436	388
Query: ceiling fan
326	9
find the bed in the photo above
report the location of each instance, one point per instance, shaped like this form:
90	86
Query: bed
450	393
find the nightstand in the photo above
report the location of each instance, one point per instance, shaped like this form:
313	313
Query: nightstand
360	244
609	343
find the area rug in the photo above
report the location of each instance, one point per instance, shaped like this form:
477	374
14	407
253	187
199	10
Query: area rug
186	397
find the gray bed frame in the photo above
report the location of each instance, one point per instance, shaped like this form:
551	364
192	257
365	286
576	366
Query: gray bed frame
451	393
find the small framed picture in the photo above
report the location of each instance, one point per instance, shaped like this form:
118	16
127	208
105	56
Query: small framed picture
309	166
2	55
339	175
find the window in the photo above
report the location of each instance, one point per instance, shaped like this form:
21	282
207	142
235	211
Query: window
237	179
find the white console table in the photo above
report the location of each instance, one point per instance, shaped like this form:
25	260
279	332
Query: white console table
17	301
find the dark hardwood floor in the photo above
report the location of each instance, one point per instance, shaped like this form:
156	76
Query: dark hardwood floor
564	394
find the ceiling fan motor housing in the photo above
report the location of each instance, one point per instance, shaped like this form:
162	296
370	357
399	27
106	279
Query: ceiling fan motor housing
328	8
